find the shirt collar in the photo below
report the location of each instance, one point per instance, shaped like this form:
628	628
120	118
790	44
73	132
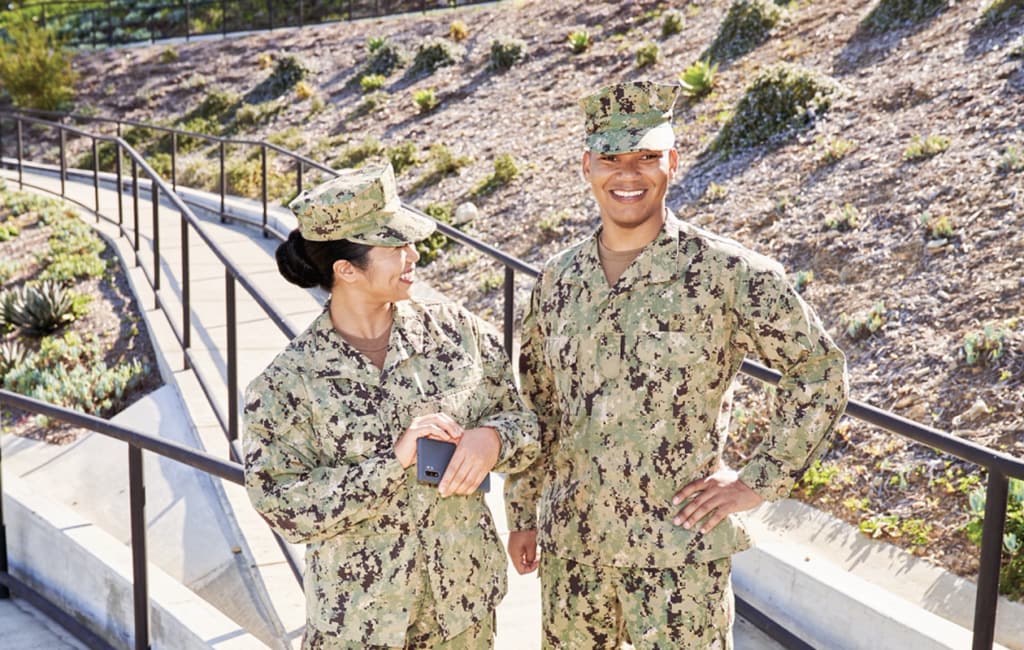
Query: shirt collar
657	262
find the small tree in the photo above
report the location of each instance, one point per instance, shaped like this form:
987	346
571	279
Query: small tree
35	68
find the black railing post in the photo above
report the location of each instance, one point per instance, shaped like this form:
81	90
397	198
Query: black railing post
4	591
135	208
224	17
270	15
155	197
174	160
229	298
188	20
987	596
63	159
510	307
20	141
223	183
96	176
299	176
302	13
263	185
137	500
186	304
120	190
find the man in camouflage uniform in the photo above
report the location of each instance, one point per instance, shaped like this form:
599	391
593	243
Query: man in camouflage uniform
390	562
630	345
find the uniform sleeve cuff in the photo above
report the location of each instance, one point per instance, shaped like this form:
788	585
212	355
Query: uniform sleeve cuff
766	477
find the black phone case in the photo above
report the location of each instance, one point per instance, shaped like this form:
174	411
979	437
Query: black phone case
432	458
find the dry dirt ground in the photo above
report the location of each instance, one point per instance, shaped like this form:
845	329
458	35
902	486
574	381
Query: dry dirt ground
954	75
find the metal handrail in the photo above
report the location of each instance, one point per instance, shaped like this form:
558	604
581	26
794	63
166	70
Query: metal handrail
110	25
138	441
1001	467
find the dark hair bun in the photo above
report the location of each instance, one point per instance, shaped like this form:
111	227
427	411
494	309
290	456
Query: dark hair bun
295	265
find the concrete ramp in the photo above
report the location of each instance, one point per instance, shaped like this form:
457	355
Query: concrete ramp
192	532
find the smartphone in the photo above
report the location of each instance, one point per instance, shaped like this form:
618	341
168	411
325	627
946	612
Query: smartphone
432	458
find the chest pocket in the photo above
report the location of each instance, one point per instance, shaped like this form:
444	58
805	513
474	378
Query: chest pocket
665	368
455	388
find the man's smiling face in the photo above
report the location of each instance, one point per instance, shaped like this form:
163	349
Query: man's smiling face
630	187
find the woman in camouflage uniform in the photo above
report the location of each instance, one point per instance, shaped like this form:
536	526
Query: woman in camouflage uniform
332	423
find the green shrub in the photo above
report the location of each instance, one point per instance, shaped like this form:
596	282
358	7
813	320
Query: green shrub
802	279
434	53
384	59
372	82
40	308
1011	161
71	373
922	148
8	231
8	269
288	71
35	69
244	177
71	236
699	79
69	267
403	156
937	228
863	325
747	24
579	41
891	14
304	90
425	99
780	100
375	43
505	170
431	247
985	347
506	52
355	155
647	54
1011	570
12	354
169	55
442	163
671	23
372	103
843	219
835	149
458	31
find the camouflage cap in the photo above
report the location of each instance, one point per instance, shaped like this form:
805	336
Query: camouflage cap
362	206
630	116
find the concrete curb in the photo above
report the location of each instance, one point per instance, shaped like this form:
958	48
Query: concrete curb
68	560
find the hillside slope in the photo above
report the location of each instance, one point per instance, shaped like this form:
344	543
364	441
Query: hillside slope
957	74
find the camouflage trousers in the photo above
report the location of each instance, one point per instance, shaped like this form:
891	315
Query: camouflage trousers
591	607
424	633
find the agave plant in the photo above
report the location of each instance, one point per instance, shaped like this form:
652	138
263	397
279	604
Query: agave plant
698	79
12	353
41	308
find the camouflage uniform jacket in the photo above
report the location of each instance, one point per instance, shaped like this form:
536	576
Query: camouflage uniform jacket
321	423
628	383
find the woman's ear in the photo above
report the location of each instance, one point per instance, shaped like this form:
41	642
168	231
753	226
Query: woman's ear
673	162
344	271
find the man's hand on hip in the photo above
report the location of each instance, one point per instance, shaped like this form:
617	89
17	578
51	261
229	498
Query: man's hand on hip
715	497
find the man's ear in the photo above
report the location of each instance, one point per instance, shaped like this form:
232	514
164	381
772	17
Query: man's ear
585	165
344	271
673	162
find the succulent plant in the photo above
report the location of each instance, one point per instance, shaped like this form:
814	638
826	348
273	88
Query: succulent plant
40	308
12	353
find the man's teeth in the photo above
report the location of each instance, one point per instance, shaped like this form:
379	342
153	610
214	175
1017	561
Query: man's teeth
408	275
627	195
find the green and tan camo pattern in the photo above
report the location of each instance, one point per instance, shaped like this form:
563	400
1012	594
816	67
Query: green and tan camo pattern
628	383
320	427
598	607
360	205
630	117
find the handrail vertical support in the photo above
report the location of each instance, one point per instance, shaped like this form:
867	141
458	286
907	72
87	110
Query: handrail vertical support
232	324
299	179
223	183
4	591
987	597
63	160
186	293
155	198
174	160
135	208
188	20
120	190
96	177
137	500
21	184
510	307
263	185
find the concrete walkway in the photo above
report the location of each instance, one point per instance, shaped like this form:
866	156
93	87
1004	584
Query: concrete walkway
22	627
259	340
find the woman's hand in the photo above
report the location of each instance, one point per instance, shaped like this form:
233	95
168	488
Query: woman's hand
438	426
476	454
